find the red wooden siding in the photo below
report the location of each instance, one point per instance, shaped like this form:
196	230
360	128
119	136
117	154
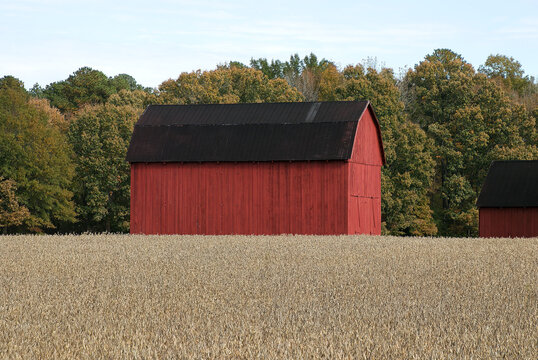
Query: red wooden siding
239	198
364	172
508	222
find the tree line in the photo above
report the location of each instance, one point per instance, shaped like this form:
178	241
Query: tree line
63	146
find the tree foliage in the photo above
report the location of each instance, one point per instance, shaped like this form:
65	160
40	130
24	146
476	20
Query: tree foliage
54	117
100	136
226	85
136	98
407	177
11	212
303	74
472	122
509	71
85	86
509	74
35	155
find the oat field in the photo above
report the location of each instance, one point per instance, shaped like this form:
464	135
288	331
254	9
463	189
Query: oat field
299	297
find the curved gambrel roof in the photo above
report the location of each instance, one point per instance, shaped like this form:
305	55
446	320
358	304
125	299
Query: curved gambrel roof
248	132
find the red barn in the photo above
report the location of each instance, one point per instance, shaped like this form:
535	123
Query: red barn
281	168
508	202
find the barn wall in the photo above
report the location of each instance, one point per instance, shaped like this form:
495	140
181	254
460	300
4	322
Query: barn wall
364	173
239	198
508	222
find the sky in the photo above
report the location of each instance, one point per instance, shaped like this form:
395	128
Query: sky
43	41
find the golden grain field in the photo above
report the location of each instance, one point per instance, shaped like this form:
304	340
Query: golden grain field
120	296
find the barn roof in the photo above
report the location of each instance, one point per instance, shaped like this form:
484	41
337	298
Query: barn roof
510	184
247	132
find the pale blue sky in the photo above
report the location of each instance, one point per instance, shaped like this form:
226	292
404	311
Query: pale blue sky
44	41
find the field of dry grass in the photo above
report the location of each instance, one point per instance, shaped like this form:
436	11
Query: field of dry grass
267	297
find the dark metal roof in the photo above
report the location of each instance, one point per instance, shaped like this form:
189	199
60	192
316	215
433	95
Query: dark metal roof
510	184
253	113
246	132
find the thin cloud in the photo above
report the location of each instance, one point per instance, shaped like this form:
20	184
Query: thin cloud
524	29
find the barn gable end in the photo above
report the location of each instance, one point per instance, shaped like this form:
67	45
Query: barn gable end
364	174
368	144
256	169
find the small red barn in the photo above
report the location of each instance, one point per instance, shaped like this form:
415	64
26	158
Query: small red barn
508	202
278	168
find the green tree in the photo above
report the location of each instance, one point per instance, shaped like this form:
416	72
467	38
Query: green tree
226	85
273	70
303	74
37	91
85	86
509	74
407	177
231	64
508	70
124	82
306	74
35	155
100	136
471	122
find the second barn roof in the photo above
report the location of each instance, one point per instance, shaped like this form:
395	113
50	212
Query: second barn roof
510	183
